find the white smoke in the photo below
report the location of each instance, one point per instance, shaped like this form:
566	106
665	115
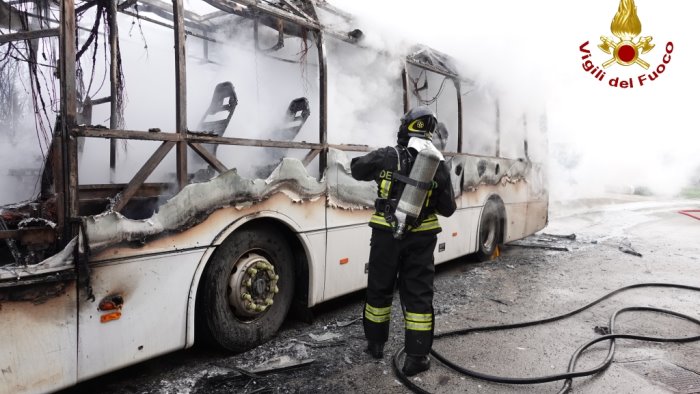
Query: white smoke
263	84
523	55
526	53
25	134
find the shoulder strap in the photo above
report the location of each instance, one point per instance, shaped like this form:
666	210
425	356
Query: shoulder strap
398	157
408	156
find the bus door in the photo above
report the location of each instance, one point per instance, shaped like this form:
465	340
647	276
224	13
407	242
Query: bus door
439	93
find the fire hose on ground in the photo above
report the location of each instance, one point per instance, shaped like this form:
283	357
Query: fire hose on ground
571	372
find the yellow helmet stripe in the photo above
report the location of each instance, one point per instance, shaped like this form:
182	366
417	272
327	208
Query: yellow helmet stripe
419	123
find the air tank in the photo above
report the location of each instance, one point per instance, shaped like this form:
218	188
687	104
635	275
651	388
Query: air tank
413	198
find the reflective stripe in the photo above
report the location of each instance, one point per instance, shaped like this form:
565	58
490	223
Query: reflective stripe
427	198
384	188
430	223
418	321
424	227
419	326
377	311
377	315
379	219
376	319
419	317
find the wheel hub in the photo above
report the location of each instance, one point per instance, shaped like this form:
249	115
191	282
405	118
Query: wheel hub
253	285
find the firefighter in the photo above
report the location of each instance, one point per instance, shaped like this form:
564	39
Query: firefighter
410	257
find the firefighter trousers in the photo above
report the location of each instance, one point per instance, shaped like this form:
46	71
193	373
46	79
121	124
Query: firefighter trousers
411	261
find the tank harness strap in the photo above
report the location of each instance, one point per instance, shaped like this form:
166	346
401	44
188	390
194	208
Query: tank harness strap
387	206
413	182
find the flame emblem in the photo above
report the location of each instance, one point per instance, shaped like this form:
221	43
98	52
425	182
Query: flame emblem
626	26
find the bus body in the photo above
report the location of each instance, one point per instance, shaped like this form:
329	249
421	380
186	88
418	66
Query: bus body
85	290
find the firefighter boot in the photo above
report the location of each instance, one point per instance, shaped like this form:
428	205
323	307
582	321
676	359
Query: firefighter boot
375	349
415	364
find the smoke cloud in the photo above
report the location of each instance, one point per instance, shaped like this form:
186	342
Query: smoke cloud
522	55
527	53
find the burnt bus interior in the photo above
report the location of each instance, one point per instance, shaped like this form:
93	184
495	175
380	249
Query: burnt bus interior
94	105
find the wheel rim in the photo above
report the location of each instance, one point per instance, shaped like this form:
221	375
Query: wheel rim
252	285
488	235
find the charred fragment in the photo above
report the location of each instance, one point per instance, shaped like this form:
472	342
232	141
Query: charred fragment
26	237
37	290
57	262
195	201
343	190
433	60
477	171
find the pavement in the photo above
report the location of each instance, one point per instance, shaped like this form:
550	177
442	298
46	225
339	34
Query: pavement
619	241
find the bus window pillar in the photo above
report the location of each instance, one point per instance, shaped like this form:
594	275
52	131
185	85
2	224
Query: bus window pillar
498	129
69	100
180	92
323	110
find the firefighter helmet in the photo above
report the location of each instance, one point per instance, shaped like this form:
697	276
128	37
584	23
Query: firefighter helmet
418	122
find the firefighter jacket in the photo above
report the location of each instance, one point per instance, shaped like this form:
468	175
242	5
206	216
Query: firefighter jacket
380	166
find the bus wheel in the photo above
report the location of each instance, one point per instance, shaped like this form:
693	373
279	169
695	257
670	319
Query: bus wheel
247	289
489	231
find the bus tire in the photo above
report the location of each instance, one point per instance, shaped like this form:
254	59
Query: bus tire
489	231
251	261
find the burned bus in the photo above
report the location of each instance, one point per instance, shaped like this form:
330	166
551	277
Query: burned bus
173	172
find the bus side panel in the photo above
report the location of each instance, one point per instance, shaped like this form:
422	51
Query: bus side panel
536	216
515	199
154	290
316	244
41	357
348	249
348	252
538	205
457	237
516	215
302	217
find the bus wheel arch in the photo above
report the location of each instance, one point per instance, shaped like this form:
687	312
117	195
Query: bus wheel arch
492	227
248	284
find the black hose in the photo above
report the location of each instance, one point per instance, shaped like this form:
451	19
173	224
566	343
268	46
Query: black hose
570	373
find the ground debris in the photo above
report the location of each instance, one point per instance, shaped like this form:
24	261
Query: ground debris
329	336
445	310
546	241
319	345
233	380
345	323
499	301
601	330
539	246
571	237
279	364
626	247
